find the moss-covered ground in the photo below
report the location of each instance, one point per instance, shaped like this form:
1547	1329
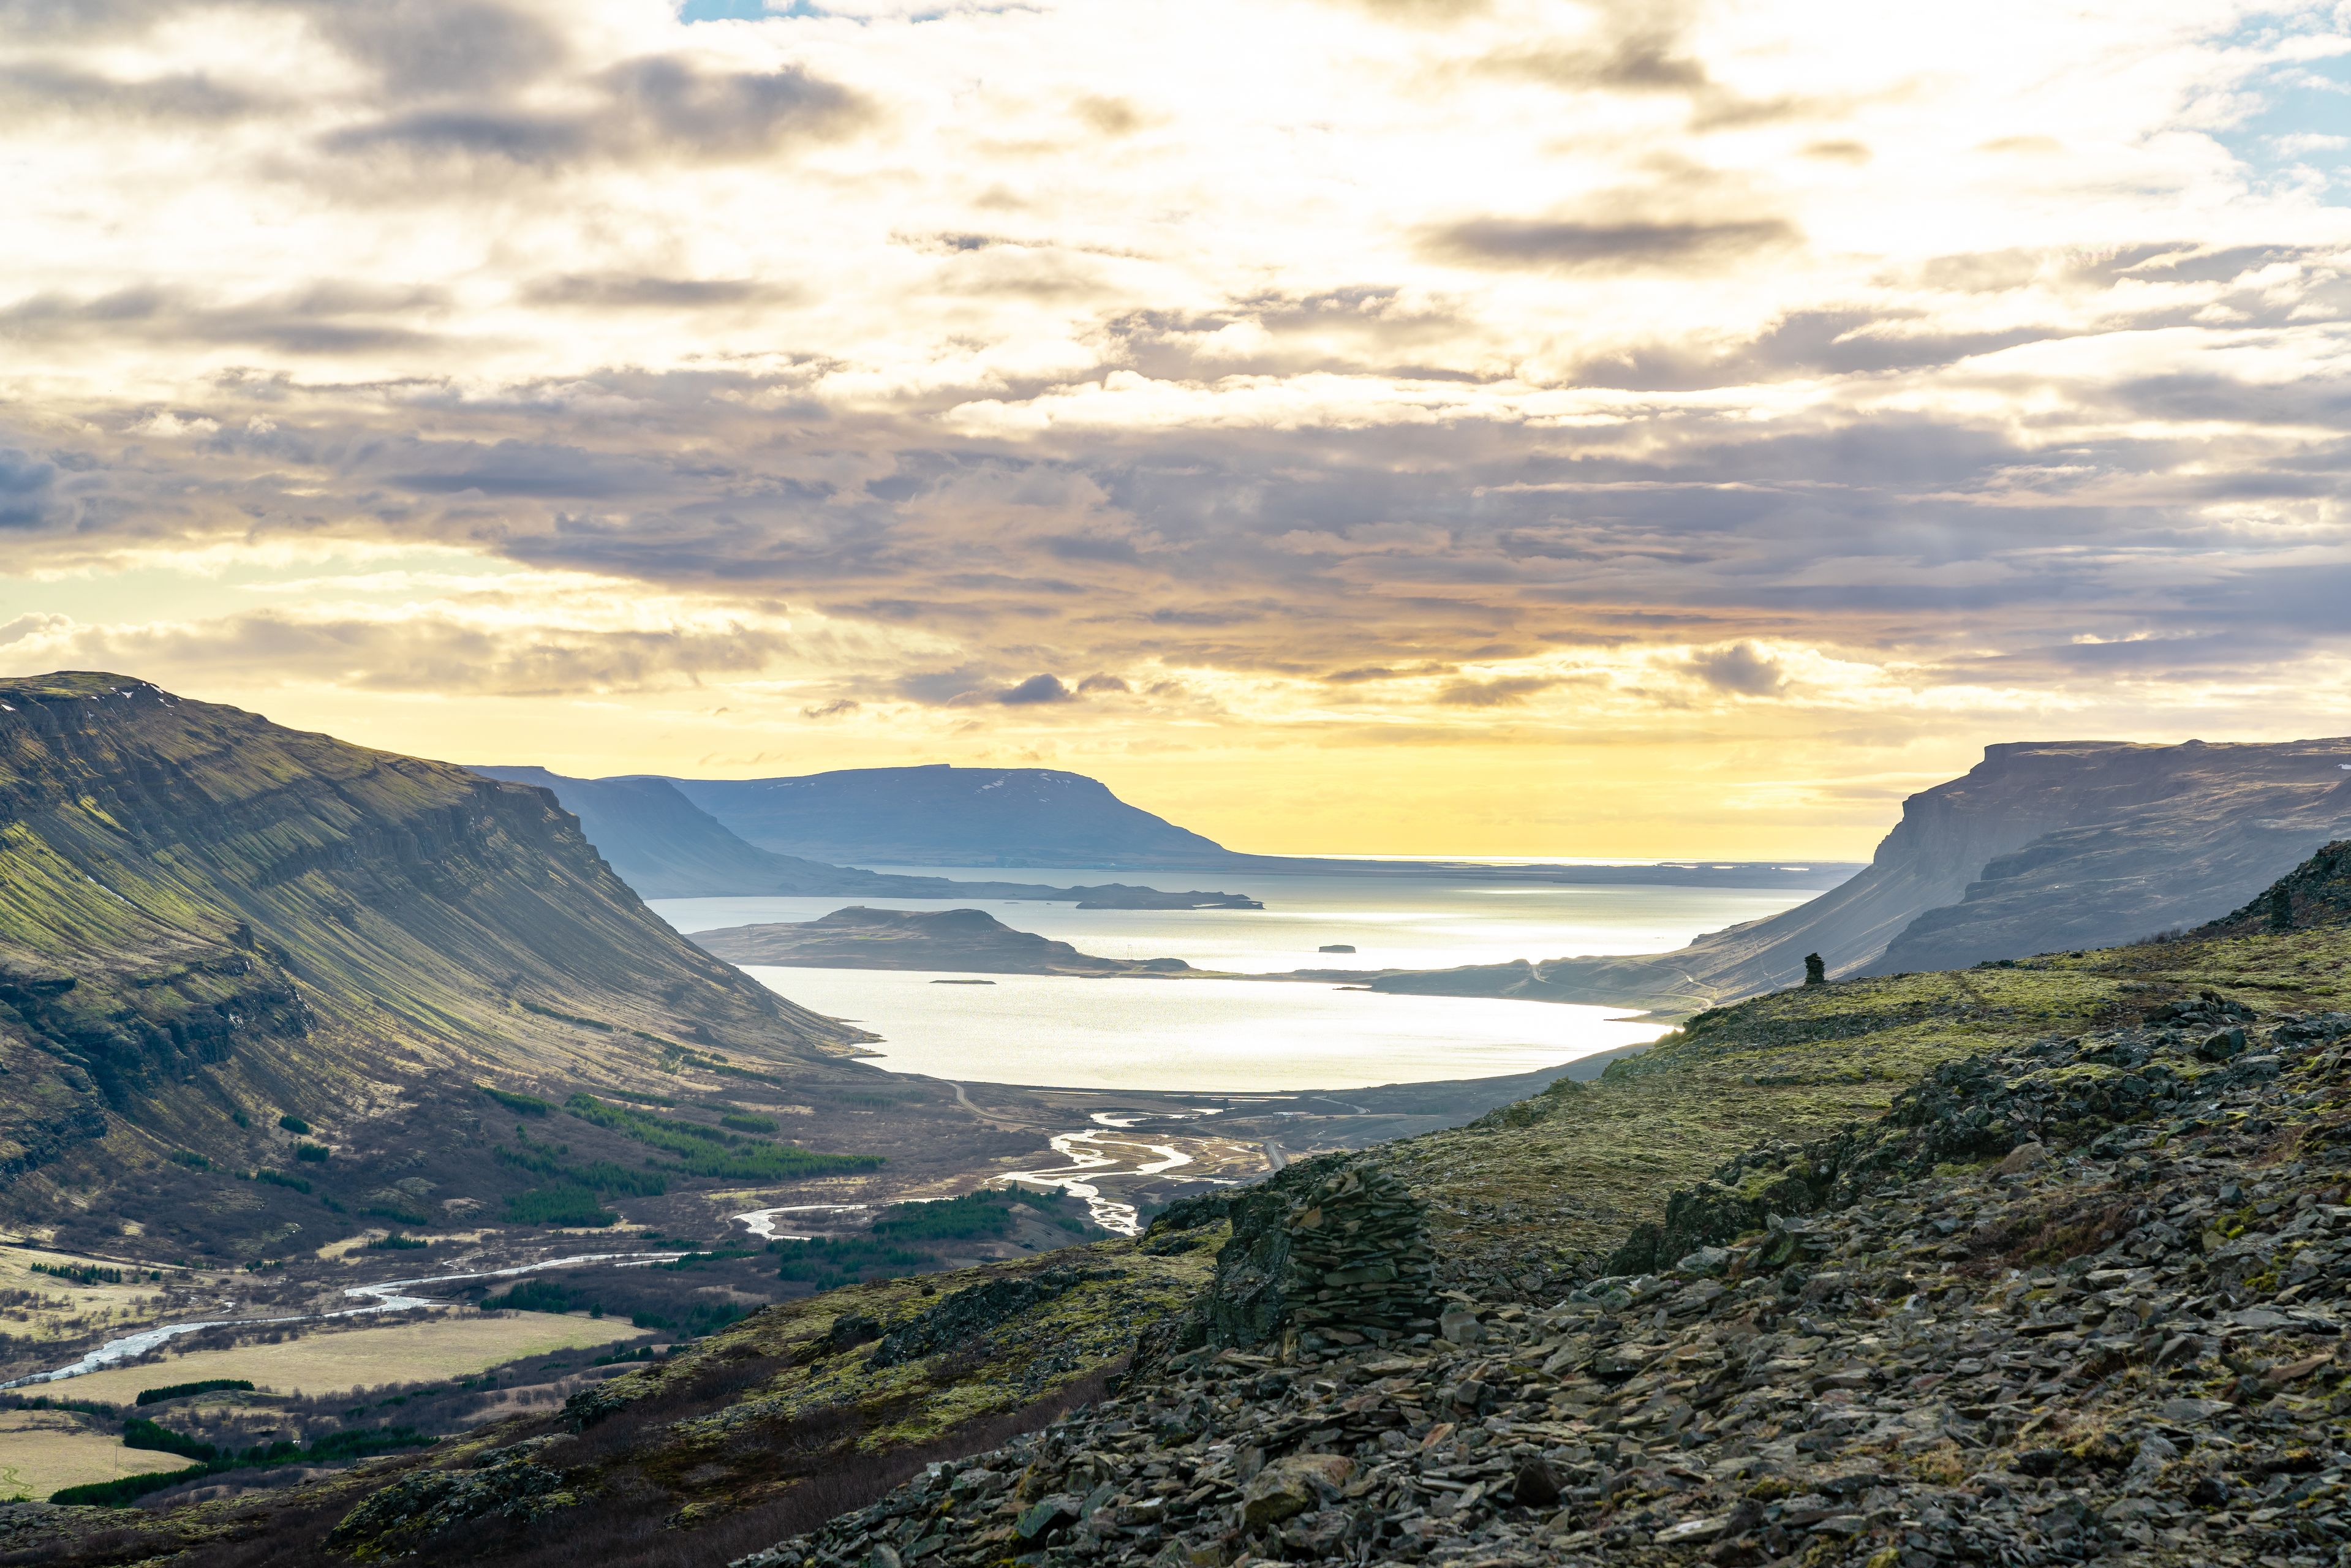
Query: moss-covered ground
1528	1191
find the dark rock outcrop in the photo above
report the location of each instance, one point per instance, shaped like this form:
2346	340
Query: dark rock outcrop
2316	892
510	1484
969	1313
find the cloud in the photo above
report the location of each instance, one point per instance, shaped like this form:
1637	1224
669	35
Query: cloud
437	46
978	342
626	291
1036	689
320	318
1648	62
27	490
1570	244
839	708
1500	692
429	652
1741	669
654	107
32	89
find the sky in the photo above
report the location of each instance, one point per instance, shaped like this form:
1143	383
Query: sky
1385	426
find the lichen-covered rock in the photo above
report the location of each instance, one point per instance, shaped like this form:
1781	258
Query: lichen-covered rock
970	1314
510	1484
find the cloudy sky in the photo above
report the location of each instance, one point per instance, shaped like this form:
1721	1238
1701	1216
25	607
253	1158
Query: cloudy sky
1471	426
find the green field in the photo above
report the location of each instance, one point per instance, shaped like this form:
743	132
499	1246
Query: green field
341	1360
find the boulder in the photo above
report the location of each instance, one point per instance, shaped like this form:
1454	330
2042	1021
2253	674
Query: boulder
1048	1517
1287	1488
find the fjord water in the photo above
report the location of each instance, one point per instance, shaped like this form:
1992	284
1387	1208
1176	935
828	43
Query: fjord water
1238	1036
1421	921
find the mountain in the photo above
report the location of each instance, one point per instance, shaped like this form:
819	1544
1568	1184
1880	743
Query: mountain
208	921
968	941
940	815
664	846
2041	847
2137	840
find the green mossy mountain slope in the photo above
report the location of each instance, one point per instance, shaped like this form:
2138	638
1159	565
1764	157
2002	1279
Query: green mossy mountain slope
204	916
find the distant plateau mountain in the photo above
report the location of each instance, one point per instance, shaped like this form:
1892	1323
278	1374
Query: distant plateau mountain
2041	847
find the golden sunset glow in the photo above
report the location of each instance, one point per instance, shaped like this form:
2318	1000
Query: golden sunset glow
1413	426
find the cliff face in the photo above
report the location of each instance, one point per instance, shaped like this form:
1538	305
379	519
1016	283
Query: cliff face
2041	847
950	816
203	915
2129	842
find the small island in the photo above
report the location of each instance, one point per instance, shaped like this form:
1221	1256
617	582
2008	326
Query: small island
968	940
1119	896
1336	947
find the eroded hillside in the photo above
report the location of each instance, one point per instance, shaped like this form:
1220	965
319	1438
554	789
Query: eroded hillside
208	922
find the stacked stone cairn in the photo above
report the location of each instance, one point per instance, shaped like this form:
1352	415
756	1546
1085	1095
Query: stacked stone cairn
1360	1265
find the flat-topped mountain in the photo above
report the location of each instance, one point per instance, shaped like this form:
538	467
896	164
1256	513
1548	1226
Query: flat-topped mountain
968	940
207	919
2041	847
940	815
666	846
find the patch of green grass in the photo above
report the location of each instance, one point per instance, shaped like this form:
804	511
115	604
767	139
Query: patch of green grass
520	1105
182	1390
558	1203
596	1176
828	1262
714	1154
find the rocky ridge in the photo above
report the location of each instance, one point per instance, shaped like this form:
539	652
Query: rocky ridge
2082	1298
2316	893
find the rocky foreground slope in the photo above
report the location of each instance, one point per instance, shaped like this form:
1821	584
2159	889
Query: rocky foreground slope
2081	1299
